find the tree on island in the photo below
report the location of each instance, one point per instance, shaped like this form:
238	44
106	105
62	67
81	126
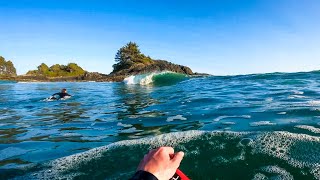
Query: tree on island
57	70
129	55
7	68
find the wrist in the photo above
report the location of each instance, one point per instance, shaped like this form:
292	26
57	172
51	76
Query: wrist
143	175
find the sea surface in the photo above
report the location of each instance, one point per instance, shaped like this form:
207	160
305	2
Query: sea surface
261	126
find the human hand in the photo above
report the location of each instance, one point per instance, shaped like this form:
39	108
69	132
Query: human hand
159	162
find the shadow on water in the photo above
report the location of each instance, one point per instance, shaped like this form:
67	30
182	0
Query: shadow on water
142	112
64	111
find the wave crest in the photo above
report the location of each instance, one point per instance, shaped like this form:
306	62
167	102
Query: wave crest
156	78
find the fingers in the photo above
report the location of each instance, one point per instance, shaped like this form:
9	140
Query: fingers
176	160
167	150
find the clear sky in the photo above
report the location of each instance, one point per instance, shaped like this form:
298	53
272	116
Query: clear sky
221	37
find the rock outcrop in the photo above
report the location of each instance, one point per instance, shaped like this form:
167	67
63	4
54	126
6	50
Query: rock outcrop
129	61
156	66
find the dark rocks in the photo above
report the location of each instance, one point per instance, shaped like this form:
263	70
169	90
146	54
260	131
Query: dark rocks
118	76
156	66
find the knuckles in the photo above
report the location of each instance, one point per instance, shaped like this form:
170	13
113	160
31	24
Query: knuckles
165	150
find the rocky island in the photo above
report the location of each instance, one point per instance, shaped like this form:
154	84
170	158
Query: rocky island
129	61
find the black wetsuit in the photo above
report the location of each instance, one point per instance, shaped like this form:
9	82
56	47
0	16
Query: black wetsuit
143	175
61	95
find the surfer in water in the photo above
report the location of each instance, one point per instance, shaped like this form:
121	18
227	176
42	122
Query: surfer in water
160	163
62	94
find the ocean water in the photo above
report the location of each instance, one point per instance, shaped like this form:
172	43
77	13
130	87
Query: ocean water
264	126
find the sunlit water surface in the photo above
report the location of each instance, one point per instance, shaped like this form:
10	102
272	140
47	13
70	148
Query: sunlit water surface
256	126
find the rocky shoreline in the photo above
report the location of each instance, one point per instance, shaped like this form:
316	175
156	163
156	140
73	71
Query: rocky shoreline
119	76
129	61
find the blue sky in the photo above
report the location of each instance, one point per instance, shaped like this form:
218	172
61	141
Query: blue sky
221	37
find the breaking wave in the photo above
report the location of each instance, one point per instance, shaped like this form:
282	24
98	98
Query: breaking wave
156	78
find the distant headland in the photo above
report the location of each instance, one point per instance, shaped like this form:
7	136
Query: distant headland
129	61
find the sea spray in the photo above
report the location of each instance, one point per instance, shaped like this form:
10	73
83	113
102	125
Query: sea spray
156	78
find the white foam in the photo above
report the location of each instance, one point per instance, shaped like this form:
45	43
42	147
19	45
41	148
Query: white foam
315	171
260	176
269	99
71	134
277	172
124	125
143	79
65	164
62	99
225	117
298	92
32	82
296	97
48	100
65	98
299	150
314	103
93	138
282	113
309	128
139	79
262	123
130	130
246	116
293	121
228	123
177	117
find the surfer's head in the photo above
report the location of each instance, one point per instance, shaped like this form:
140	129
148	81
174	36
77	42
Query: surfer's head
64	90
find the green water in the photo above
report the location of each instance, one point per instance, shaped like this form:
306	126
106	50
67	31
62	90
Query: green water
230	127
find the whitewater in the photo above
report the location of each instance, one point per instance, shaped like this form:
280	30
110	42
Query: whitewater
260	126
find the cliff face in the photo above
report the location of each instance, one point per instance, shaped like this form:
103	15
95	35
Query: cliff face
156	66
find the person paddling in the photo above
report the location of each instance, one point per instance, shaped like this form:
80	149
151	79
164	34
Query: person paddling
62	94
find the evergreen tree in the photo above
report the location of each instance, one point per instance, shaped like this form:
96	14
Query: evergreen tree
72	69
7	68
2	65
11	70
128	55
43	69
